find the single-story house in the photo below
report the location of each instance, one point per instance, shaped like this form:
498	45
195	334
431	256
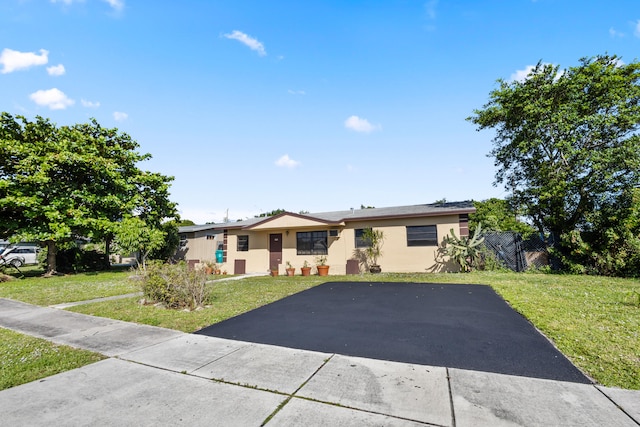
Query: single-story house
412	236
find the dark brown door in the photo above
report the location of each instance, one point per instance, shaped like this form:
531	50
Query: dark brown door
240	266
275	250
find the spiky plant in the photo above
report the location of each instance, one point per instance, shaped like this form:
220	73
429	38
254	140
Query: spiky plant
464	251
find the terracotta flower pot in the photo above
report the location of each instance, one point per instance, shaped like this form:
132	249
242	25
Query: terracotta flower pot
323	270
306	271
291	271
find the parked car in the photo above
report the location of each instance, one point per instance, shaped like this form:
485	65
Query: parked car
19	255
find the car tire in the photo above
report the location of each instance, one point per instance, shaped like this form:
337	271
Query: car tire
16	262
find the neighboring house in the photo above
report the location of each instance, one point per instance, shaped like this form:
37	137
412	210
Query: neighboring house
412	236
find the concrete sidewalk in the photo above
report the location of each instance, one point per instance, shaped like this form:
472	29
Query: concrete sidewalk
156	376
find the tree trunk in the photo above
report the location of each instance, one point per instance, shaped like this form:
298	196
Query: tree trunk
107	248
52	253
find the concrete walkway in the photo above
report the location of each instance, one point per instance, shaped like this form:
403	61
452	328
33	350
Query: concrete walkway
157	376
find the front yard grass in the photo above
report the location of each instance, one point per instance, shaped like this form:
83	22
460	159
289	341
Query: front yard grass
68	288
24	359
595	321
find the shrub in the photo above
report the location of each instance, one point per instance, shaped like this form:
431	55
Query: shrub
489	261
76	260
174	285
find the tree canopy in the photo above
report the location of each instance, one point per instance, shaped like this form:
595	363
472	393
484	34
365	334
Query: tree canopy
61	183
498	215
566	141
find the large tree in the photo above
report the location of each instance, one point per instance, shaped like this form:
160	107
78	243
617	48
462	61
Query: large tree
498	215
566	140
61	183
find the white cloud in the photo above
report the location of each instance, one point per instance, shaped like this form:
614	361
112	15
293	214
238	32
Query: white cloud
430	9
296	92
636	28
287	162
13	60
116	4
120	116
521	75
89	104
615	33
56	70
54	98
360	125
247	40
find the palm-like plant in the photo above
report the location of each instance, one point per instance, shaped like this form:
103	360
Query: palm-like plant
375	239
464	251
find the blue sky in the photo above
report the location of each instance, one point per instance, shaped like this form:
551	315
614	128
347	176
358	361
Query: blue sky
300	105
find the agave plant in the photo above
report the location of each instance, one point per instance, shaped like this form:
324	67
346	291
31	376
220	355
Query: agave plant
464	251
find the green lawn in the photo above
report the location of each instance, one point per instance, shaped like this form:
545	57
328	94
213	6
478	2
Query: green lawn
595	321
24	359
68	288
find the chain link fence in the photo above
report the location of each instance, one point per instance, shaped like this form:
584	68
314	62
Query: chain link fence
514	252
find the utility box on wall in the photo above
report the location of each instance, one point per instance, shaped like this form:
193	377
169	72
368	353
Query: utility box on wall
353	266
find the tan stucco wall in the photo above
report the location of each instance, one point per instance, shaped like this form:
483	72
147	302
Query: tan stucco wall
287	221
396	255
257	257
200	248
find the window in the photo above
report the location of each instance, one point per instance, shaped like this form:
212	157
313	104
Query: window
361	242
311	242
24	251
422	235
243	243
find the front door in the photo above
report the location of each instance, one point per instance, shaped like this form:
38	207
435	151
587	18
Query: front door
275	250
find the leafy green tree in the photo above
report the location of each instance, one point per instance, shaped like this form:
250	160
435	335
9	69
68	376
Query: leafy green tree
272	213
170	243
566	142
609	244
61	183
498	215
133	235
185	222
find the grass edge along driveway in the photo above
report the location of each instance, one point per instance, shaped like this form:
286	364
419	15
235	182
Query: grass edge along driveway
595	321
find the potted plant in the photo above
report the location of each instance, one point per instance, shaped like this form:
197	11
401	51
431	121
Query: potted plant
321	265
291	271
209	267
306	270
274	270
375	238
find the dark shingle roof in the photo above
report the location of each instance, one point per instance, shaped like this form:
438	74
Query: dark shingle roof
433	209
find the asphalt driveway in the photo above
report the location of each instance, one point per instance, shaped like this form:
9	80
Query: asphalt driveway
457	326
